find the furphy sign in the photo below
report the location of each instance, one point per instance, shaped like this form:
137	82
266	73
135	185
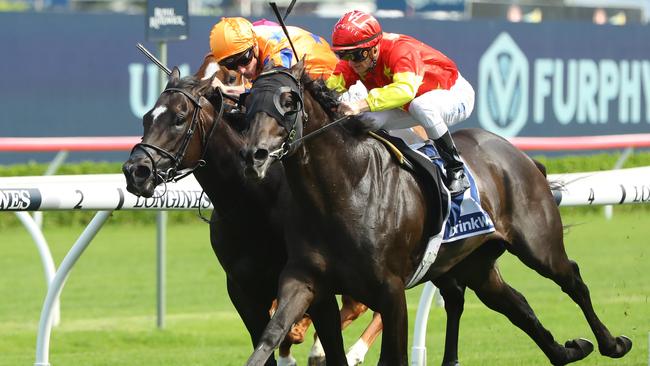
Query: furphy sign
503	87
515	90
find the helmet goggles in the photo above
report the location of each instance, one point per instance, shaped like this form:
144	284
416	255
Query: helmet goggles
240	59
354	55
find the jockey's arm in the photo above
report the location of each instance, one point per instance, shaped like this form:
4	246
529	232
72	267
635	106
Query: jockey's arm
228	89
396	94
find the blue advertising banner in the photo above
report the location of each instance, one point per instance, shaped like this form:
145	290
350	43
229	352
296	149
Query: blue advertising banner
82	75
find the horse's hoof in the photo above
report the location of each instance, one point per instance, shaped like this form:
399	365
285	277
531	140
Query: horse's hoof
316	361
287	361
623	346
577	349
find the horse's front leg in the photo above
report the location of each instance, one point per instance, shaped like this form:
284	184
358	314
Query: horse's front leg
325	314
295	294
253	311
394	317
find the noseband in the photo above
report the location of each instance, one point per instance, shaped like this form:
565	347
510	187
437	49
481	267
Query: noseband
173	174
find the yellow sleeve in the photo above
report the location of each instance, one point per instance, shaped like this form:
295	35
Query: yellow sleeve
401	91
336	82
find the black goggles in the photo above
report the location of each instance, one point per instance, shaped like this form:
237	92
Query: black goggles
356	55
240	59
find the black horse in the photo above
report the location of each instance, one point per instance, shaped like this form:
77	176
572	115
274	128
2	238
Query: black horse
186	126
358	224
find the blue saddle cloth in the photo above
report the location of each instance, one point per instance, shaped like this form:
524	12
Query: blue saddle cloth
466	216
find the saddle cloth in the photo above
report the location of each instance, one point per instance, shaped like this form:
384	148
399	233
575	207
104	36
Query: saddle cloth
466	216
461	216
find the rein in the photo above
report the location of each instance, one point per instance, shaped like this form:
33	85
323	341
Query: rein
173	174
289	146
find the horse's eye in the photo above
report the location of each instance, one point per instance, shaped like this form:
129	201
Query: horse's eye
180	120
288	104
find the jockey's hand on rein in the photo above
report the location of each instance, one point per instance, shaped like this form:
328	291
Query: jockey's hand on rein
228	89
353	108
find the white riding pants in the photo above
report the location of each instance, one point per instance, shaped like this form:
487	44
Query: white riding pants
434	110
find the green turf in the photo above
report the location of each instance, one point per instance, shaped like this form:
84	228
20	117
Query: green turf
108	304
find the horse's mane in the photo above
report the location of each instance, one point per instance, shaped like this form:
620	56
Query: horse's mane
328	99
189	83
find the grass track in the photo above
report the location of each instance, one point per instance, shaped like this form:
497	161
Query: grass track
108	304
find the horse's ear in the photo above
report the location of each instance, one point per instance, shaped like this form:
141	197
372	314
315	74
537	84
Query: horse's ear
298	69
176	74
173	77
207	90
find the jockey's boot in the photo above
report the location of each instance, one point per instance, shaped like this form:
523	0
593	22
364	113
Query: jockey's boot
456	181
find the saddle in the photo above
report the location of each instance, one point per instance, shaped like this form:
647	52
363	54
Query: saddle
452	218
425	171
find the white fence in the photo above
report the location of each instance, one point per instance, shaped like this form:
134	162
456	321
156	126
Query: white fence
103	193
107	193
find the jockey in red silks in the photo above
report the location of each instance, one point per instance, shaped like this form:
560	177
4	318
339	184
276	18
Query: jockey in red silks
408	83
241	46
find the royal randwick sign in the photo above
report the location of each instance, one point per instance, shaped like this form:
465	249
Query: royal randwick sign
167	20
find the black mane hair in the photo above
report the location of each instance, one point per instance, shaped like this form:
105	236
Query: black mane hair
329	101
190	83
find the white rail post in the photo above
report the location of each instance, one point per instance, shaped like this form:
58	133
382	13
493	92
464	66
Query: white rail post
419	349
46	257
55	288
609	209
55	164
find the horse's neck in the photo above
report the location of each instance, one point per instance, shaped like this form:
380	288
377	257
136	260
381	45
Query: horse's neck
326	164
223	181
221	177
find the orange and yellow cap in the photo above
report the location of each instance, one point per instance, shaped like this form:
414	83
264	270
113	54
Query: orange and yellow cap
231	36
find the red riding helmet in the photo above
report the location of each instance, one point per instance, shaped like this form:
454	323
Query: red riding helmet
356	29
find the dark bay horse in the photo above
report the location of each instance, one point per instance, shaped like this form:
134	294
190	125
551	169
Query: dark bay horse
252	259
358	224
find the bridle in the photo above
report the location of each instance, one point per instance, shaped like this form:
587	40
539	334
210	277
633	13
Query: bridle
173	173
287	119
265	97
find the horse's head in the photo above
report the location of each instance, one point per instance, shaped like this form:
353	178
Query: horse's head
275	115
170	148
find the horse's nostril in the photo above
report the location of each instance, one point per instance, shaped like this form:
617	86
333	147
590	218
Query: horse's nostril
261	154
142	171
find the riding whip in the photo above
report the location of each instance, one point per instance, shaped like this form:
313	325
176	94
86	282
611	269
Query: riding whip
154	59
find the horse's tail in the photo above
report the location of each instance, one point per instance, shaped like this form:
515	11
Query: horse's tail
554	185
540	166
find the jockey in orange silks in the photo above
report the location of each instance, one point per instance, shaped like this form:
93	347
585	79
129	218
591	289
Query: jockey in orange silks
246	48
